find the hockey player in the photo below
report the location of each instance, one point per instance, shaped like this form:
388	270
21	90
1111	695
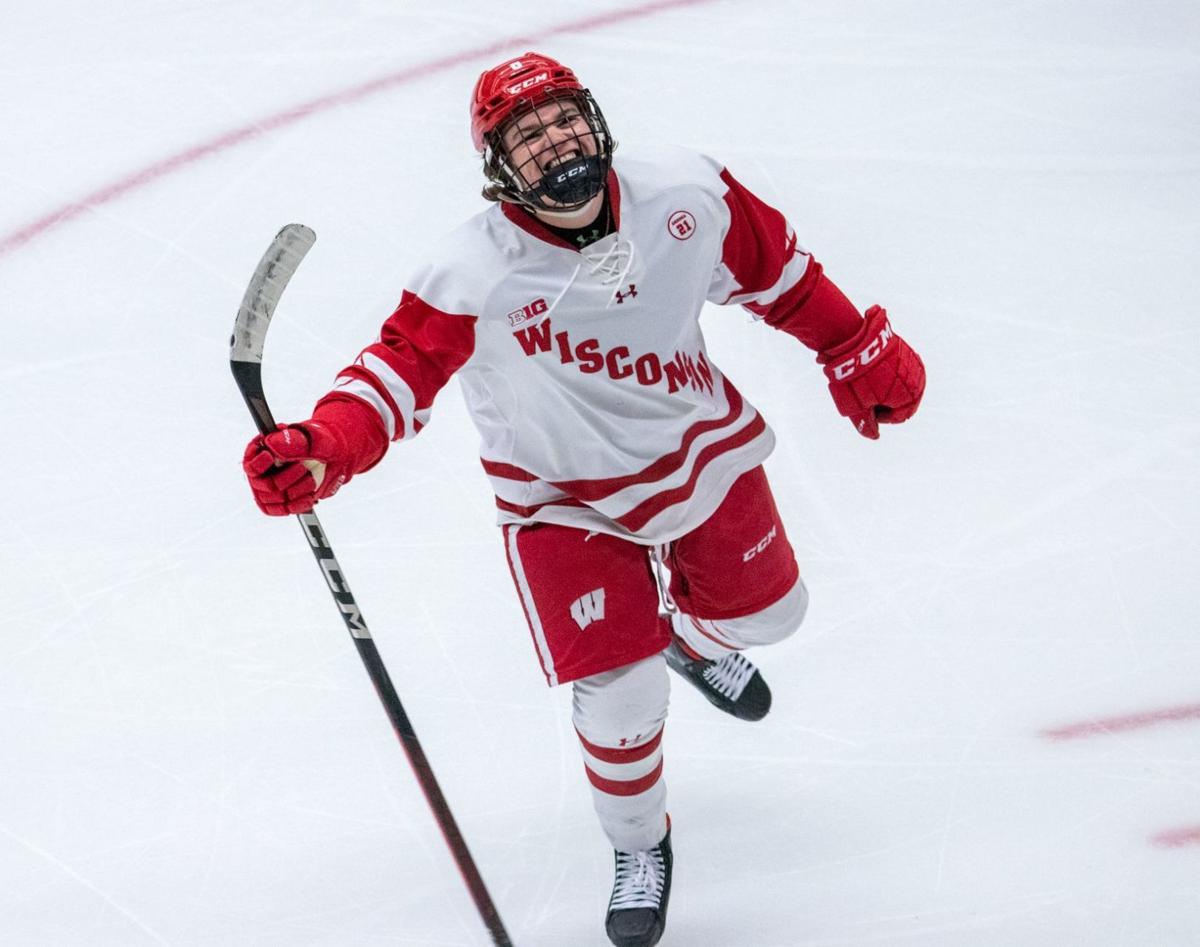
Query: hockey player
617	450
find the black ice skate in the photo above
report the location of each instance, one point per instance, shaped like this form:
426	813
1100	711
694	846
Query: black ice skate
637	910
731	684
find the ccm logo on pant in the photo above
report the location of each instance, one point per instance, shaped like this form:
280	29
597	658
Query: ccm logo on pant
867	355
762	544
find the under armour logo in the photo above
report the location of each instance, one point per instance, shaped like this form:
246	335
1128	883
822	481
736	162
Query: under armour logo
588	608
632	292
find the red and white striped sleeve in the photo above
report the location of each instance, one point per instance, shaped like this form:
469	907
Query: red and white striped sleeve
764	269
387	394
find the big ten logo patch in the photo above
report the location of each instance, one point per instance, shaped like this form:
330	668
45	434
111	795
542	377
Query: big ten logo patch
527	312
681	225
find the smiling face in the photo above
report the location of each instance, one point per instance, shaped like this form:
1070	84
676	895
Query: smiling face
546	147
551	135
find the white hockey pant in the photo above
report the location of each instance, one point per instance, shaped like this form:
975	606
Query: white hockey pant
619	716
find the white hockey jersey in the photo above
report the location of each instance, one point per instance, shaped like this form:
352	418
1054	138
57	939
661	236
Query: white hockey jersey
585	371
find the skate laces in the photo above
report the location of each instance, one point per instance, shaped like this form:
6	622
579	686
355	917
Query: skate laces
639	882
729	676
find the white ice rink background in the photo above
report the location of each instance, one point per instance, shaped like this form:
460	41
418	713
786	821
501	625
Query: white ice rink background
988	731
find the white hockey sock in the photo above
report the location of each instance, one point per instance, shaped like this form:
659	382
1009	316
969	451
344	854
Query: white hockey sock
628	791
619	716
703	637
715	639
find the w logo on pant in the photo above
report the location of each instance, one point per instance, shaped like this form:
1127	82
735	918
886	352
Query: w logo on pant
588	608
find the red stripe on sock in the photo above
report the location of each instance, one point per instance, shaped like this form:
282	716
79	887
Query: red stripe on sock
622	754
625	787
711	636
686	649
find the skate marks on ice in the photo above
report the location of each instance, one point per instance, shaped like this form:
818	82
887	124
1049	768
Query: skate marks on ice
86	882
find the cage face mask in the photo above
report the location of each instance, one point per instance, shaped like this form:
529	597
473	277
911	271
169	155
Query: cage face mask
544	141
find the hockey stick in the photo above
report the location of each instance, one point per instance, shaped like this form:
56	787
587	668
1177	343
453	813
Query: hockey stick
245	358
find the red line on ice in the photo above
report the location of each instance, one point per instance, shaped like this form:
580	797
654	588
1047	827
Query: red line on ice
1148	718
1178	838
151	173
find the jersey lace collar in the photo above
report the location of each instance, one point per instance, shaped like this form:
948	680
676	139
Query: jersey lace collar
531	225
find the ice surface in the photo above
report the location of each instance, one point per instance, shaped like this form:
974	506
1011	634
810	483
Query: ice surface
190	753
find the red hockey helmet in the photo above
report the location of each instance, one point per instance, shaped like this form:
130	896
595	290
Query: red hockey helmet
515	85
514	88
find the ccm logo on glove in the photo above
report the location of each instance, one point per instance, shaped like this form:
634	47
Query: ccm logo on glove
875	378
867	355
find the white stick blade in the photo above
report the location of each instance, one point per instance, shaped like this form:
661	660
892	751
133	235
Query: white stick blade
266	286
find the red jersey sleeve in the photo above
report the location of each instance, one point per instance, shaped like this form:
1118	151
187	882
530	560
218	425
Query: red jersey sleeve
763	268
387	394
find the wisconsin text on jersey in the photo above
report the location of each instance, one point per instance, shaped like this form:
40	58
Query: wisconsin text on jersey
647	369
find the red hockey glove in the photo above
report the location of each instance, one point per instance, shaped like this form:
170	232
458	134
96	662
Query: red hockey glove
875	378
291	469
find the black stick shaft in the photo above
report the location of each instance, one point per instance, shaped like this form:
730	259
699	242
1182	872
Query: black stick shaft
249	381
